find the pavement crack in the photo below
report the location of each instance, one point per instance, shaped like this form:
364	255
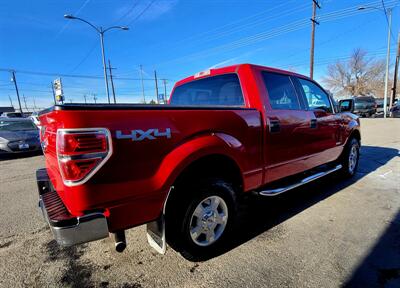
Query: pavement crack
6	244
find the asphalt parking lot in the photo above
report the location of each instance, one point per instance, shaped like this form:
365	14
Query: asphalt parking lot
330	233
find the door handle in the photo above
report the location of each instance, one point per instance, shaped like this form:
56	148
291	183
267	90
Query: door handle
274	126
313	123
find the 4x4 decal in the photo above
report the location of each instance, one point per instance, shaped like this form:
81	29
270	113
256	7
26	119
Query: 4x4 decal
139	135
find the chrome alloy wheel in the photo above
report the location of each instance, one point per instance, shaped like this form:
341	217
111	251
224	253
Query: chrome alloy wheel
353	157
208	221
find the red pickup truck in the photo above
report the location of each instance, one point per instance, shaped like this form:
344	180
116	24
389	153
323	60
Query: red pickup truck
182	168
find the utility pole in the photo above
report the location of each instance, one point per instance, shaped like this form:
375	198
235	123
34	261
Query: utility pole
396	68
165	90
54	93
84	96
111	79
155	79
16	90
9	97
94	98
26	107
141	77
315	4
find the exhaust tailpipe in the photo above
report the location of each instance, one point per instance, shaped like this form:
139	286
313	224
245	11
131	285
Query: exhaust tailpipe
120	241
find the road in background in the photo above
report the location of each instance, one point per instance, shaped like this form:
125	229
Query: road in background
327	234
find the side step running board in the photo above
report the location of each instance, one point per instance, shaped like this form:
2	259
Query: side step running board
273	192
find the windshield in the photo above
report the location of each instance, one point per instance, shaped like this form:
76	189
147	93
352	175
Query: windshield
222	90
16	125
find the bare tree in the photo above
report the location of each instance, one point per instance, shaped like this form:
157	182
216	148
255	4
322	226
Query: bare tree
360	75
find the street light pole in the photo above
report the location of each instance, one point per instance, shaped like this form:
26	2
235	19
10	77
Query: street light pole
389	12
101	32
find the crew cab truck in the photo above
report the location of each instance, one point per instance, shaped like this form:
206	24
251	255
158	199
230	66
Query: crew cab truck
182	168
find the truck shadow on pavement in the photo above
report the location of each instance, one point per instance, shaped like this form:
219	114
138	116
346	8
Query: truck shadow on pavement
262	214
381	267
75	274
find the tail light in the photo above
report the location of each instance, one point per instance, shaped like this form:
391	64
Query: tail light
81	153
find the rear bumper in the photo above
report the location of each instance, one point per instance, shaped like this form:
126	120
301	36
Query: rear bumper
67	229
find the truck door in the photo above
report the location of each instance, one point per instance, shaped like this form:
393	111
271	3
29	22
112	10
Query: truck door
287	127
325	132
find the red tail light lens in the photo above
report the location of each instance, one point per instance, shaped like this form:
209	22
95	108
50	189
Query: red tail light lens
77	169
81	153
73	144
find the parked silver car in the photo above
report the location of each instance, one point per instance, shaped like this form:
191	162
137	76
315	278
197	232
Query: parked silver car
18	135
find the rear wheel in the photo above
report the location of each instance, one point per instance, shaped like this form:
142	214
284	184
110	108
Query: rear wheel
350	157
199	224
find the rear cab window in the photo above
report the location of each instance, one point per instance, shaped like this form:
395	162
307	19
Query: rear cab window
220	90
281	91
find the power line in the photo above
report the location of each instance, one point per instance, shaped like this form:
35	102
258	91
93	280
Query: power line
122	17
90	51
71	75
275	32
143	11
128	11
384	9
76	13
387	19
224	32
32	90
84	58
322	61
330	39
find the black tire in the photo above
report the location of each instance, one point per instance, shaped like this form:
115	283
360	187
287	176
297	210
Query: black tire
349	163
180	213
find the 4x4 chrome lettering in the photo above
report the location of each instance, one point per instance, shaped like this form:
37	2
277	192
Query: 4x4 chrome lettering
139	135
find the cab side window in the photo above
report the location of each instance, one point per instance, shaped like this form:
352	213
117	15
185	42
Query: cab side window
281	92
316	98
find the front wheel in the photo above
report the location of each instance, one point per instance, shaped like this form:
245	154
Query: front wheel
350	157
200	224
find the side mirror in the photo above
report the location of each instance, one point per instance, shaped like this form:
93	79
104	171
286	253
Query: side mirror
346	105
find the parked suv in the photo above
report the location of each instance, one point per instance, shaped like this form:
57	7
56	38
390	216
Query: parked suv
364	106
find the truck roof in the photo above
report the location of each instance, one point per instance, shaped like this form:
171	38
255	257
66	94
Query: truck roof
233	69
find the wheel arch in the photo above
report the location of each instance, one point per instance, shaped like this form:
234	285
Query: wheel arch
356	134
212	166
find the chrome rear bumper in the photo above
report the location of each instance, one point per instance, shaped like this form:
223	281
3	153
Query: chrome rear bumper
67	229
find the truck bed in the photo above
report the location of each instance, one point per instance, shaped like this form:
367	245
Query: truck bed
141	170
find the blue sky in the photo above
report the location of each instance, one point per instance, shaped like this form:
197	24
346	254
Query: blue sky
175	37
